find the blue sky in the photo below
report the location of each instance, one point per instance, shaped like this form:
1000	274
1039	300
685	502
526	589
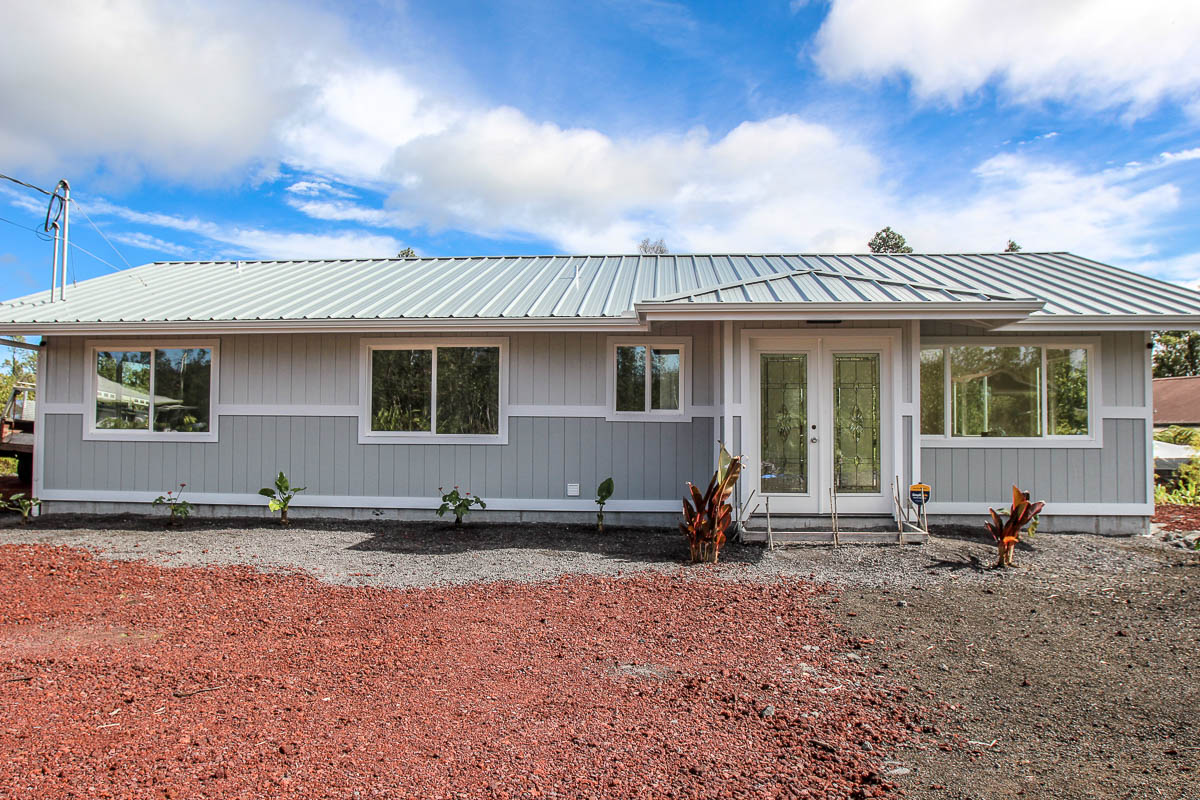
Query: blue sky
288	130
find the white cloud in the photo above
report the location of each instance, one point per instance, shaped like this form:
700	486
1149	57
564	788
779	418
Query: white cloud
1181	155
342	211
259	242
147	242
775	185
187	91
357	117
315	188
1100	53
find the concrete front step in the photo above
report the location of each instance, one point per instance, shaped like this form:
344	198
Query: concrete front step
822	522
844	537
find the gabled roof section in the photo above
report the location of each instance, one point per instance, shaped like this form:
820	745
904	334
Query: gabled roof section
824	286
602	291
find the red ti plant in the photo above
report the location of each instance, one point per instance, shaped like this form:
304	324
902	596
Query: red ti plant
1007	532
708	515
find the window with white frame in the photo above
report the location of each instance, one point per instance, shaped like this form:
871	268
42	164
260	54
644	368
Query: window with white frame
153	390
431	389
1009	390
648	377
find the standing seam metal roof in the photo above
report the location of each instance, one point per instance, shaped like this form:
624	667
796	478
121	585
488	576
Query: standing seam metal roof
591	286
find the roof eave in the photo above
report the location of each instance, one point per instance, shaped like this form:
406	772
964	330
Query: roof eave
423	325
1107	322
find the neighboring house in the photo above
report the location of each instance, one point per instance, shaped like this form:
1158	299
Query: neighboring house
1177	401
528	380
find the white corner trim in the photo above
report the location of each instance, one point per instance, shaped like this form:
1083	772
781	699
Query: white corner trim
39	428
1051	509
361	501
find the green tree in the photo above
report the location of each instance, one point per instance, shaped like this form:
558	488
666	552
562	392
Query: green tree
1012	247
1176	353
649	248
407	252
888	241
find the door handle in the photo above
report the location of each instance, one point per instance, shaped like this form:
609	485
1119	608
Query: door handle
813	440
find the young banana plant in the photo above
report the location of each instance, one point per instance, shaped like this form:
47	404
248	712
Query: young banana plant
708	515
1007	532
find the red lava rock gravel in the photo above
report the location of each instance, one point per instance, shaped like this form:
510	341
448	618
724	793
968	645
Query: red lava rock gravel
1177	518
122	679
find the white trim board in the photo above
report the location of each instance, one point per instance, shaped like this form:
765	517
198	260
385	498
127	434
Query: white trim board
360	501
265	410
1051	510
329	410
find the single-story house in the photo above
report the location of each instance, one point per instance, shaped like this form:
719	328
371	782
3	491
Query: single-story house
1177	401
528	380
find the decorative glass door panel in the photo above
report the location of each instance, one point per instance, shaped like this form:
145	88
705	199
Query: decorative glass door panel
783	396
856	423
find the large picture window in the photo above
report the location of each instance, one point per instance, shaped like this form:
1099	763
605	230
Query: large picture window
647	378
153	390
1005	391
435	390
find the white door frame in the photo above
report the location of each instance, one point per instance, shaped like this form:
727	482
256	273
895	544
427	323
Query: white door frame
822	344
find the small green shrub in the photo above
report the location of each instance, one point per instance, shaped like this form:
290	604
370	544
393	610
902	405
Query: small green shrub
460	504
25	505
280	496
180	509
603	492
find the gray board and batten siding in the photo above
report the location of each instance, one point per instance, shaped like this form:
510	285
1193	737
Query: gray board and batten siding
1115	473
316	377
318	446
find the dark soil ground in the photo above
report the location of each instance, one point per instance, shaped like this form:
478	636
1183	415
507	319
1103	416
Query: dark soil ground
1060	684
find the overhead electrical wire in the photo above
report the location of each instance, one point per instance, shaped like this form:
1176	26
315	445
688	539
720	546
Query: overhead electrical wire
45	238
20	182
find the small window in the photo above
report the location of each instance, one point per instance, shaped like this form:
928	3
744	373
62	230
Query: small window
159	390
933	391
631	378
648	378
430	390
1067	391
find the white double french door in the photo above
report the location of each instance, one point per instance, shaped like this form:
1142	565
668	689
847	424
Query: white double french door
821	419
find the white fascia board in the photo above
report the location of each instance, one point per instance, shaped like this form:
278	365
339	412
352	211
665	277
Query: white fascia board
442	324
1105	322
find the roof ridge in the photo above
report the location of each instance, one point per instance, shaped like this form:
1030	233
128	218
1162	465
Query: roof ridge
715	254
